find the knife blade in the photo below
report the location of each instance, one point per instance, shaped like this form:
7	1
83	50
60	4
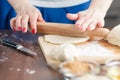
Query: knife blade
18	47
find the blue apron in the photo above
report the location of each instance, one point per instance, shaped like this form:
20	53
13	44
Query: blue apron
57	15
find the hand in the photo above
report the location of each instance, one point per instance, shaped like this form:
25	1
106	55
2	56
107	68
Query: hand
89	19
26	14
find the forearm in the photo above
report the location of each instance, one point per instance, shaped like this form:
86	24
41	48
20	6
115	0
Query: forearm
102	4
17	3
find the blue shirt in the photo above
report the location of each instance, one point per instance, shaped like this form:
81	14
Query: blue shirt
57	15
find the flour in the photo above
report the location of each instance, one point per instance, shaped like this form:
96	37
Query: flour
3	58
70	52
93	49
18	69
65	52
11	68
30	71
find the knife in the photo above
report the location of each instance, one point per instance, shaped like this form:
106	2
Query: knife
18	47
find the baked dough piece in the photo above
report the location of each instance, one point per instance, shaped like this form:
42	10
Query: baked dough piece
57	39
114	36
64	52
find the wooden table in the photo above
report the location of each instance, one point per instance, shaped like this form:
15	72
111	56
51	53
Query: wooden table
14	65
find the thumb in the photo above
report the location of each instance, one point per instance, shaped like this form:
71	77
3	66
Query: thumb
72	16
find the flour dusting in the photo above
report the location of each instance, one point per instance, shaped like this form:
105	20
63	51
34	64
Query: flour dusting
3	58
93	49
30	71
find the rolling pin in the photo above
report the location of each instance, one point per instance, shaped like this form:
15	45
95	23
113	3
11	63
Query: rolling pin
69	30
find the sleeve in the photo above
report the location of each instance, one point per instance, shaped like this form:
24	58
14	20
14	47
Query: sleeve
6	13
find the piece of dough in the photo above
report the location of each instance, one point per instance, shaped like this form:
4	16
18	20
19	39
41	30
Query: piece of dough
64	52
73	68
114	36
57	39
92	77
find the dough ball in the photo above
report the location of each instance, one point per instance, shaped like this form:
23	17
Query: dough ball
114	36
64	52
57	39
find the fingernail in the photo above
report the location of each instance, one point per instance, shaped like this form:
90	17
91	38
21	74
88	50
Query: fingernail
91	28
33	31
14	29
19	28
23	29
82	29
78	25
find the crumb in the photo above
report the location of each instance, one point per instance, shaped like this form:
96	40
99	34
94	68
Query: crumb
30	71
2	57
18	69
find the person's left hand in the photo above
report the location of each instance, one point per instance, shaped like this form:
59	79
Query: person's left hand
89	19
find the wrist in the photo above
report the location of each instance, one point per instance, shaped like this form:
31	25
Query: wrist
102	5
16	4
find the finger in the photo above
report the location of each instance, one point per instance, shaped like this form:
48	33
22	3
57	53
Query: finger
81	18
33	21
18	23
85	25
101	23
12	24
72	16
40	18
24	23
91	26
79	22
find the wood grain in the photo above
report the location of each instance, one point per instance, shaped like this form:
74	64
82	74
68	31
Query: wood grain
46	48
69	30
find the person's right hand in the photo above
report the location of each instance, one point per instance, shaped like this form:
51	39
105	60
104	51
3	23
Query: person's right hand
27	15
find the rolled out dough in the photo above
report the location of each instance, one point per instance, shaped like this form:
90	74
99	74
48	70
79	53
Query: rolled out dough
57	39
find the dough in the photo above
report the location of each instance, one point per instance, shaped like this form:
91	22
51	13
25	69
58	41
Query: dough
73	68
114	36
64	52
57	39
92	77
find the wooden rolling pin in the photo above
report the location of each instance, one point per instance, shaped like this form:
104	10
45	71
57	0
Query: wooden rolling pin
69	30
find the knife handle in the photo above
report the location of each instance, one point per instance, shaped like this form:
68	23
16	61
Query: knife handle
10	43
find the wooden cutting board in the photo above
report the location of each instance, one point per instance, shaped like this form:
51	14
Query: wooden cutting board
46	48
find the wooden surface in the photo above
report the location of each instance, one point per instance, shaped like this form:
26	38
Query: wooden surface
68	30
14	65
46	48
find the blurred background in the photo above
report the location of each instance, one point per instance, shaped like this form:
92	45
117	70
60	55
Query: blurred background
113	16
